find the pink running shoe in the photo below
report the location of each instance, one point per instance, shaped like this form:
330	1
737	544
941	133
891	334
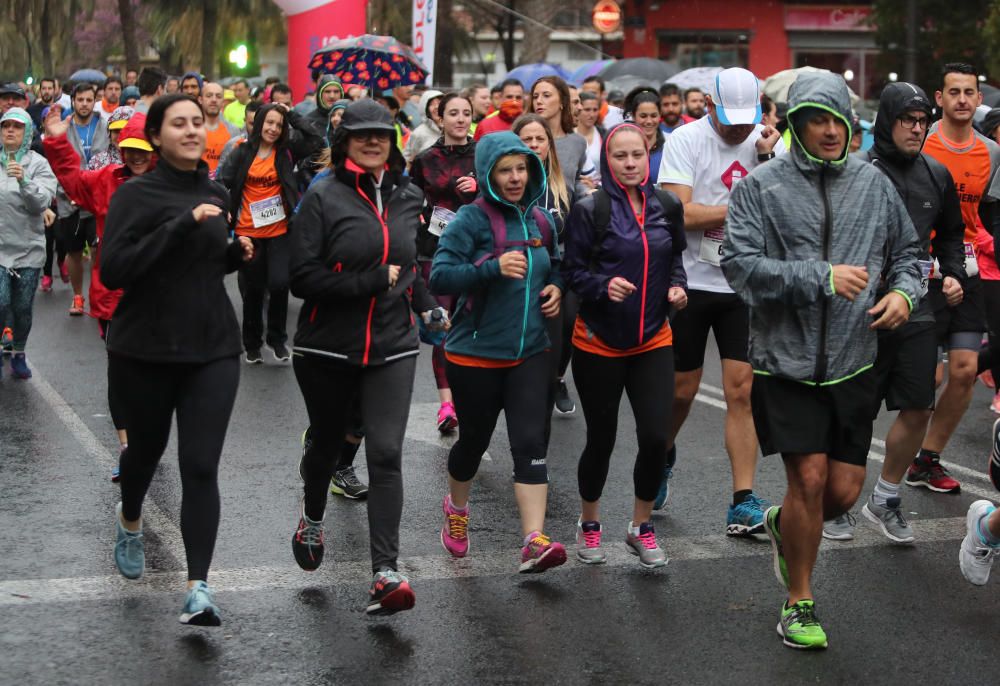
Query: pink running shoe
540	553
995	404
455	532
46	284
64	272
447	419
987	379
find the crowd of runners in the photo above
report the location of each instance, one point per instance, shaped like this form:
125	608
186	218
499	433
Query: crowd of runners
520	233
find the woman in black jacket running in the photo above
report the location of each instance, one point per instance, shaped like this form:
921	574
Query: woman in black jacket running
176	343
354	262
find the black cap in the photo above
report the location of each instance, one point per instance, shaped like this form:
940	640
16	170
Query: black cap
12	89
366	115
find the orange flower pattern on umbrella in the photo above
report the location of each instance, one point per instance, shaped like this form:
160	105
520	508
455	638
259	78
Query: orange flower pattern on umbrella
369	59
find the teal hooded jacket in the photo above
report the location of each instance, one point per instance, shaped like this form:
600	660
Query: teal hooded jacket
496	317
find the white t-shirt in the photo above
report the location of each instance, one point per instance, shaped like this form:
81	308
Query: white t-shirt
694	155
594	154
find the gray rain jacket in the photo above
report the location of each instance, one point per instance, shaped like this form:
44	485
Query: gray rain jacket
788	223
22	229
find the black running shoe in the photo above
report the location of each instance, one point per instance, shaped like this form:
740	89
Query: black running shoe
564	404
390	593
307	543
253	356
280	352
346	483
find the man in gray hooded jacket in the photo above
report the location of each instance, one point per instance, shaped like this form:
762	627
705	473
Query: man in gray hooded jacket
808	237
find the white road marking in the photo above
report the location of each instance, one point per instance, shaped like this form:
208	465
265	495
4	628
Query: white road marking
496	563
153	517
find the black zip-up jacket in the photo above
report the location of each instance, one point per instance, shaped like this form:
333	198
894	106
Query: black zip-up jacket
341	249
234	178
175	307
925	186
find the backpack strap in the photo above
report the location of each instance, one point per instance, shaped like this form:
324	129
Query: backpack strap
601	220
498	226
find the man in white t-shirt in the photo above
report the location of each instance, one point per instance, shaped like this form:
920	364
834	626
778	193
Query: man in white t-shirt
702	163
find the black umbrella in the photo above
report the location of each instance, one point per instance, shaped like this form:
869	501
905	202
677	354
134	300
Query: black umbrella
645	68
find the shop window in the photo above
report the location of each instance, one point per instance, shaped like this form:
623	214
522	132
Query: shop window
705	48
858	67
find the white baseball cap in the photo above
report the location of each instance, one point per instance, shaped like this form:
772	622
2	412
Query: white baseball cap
737	97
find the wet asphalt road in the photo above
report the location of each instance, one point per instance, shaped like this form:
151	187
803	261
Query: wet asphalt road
893	613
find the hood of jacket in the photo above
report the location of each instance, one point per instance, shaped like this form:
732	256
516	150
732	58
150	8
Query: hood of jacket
615	188
897	99
490	149
824	91
989	123
327	81
425	100
19	115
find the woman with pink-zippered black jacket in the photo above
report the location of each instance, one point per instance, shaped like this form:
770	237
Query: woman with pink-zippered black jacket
354	263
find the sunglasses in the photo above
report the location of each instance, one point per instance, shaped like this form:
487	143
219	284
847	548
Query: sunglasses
378	134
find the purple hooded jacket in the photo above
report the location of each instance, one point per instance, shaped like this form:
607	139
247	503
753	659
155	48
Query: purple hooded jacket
649	256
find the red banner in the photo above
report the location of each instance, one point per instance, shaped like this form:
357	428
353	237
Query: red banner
310	29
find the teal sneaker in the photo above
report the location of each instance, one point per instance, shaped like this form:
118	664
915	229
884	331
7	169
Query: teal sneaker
130	552
747	518
663	494
199	610
773	533
800	628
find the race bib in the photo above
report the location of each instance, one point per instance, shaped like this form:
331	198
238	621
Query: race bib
971	266
440	218
267	211
926	270
711	247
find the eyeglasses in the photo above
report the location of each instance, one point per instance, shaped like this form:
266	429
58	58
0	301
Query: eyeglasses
378	134
909	122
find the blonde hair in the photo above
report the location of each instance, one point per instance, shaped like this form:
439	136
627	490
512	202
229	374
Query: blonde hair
556	180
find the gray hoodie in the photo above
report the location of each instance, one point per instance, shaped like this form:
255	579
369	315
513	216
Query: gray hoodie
22	231
788	223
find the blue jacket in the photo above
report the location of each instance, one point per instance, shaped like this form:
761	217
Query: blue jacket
649	256
496	317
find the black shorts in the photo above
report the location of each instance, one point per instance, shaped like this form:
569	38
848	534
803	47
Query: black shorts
969	317
74	232
904	369
794	418
728	318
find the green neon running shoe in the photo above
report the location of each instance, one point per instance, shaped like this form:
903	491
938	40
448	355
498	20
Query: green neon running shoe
773	533
799	627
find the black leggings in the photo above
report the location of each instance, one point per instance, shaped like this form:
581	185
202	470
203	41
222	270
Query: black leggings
330	388
266	275
522	392
114	404
989	358
648	378
202	396
568	312
53	248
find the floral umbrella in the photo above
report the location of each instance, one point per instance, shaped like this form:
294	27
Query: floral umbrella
374	61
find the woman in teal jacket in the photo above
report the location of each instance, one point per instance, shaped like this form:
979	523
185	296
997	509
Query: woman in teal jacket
499	255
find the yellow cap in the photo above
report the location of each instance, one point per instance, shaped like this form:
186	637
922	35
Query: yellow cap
136	143
117	125
228	95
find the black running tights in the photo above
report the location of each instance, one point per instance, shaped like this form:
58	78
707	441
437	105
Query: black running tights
648	378
330	389
202	395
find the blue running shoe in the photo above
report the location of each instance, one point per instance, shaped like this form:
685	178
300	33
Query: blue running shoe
19	366
116	474
663	495
199	610
747	518
130	552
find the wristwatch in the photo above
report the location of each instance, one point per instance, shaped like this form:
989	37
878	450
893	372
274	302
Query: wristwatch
765	156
